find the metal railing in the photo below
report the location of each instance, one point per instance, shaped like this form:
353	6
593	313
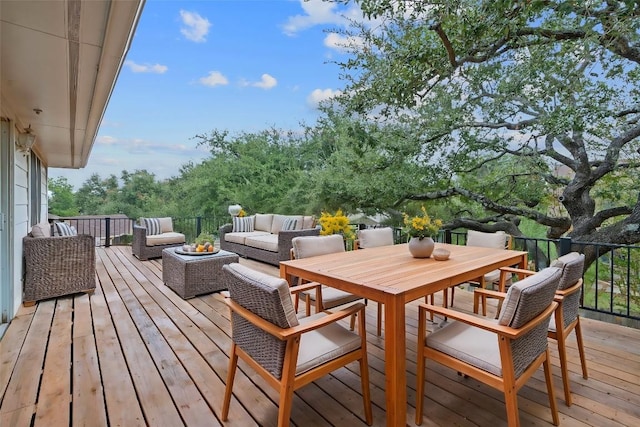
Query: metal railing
611	286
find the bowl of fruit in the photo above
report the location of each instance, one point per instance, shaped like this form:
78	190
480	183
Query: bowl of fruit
202	246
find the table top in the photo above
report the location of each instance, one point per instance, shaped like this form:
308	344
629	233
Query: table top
377	272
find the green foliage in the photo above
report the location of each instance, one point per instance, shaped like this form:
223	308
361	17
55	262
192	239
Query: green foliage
204	238
62	201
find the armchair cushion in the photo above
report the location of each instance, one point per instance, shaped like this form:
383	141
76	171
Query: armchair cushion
267	296
308	246
41	229
475	346
370	238
496	240
166	224
324	344
165	239
572	265
525	300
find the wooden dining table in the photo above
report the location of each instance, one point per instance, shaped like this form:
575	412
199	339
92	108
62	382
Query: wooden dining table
390	275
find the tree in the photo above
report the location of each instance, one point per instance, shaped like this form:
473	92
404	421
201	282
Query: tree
61	201
550	85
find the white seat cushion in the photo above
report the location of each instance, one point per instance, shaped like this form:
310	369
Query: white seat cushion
332	297
268	242
240	237
324	344
165	239
469	344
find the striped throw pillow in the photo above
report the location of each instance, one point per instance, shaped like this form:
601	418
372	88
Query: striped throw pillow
289	224
242	224
153	226
65	229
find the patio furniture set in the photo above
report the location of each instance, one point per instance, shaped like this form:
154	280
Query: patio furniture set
289	352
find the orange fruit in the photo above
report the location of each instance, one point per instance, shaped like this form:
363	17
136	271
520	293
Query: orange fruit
210	248
200	248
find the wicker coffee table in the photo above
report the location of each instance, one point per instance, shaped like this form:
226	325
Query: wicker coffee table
190	275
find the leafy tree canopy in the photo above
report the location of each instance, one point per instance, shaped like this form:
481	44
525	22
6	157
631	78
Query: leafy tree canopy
521	102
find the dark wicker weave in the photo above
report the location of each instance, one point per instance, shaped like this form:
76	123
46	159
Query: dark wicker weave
141	250
57	266
273	258
189	276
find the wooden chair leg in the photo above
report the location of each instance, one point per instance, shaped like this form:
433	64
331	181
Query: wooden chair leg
233	363
307	303
379	319
549	380
583	360
562	353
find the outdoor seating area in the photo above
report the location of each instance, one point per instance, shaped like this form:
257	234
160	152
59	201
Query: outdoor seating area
136	353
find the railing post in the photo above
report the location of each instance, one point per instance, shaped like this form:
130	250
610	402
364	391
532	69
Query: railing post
107	232
198	225
447	236
564	246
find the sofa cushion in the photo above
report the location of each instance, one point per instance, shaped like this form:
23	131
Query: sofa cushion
152	225
41	229
165	239
65	229
267	242
263	222
308	221
166	224
239	238
243	224
278	221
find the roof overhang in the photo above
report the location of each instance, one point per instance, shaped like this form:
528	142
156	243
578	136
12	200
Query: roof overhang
59	63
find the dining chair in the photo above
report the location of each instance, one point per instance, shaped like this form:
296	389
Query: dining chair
288	352
371	238
498	240
502	354
321	296
566	318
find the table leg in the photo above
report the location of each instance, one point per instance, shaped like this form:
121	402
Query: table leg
395	361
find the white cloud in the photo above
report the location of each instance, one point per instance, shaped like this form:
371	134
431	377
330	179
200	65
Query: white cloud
266	82
317	12
195	26
343	43
320	95
146	68
215	78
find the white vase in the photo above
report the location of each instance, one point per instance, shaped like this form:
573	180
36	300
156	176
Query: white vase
234	210
421	248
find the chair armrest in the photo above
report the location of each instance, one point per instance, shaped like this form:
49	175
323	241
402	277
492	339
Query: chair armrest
490	293
561	294
286	333
517	271
487	324
304	287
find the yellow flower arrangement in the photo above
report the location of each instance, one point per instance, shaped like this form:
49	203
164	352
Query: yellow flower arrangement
421	226
242	213
335	224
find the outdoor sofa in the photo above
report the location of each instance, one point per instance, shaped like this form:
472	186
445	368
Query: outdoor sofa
266	237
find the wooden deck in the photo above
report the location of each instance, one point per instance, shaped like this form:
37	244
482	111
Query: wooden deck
134	353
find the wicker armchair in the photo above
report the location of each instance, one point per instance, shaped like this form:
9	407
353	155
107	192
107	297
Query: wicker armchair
144	252
57	266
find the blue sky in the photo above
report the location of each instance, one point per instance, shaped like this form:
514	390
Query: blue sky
195	66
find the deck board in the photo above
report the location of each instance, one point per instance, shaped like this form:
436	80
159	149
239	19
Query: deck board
136	354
